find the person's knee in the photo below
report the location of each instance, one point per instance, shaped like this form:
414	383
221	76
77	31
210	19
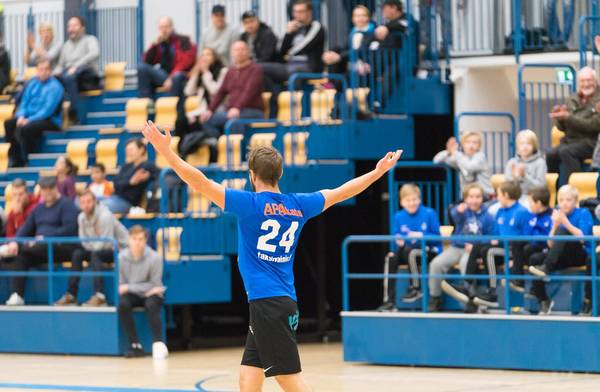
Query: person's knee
124	305
292	382
153	303
143	69
251	379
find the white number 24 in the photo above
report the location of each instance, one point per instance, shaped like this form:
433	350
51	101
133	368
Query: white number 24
287	239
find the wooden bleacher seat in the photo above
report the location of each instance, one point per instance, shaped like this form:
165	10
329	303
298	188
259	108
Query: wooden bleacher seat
170	237
114	76
65	114
496	180
446	231
231	151
111	131
284	106
160	161
321	104
6	112
596	230
585	184
106	153
7	198
551	179
136	114
361	97
555	136
262	140
4	156
191	103
197	202
29	73
235	183
91	93
166	112
201	157
78	154
266	97
294	144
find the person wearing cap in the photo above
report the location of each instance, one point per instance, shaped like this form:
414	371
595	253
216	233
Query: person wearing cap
260	38
56	216
219	35
389	35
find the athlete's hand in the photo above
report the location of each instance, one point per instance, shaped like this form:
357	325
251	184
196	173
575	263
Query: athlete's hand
160	140
388	161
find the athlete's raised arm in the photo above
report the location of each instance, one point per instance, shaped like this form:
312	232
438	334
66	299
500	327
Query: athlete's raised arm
192	176
359	184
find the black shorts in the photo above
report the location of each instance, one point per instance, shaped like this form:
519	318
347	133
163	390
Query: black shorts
271	341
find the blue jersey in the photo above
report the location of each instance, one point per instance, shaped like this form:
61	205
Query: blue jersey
582	219
424	220
269	225
540	224
471	223
512	221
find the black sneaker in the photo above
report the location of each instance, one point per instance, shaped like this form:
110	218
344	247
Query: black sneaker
412	295
586	309
456	291
539	270
387	307
435	304
487	298
546	307
135	352
471	307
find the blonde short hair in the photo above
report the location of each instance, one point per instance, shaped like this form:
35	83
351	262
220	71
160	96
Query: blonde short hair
467	134
46	26
471	186
530	137
408	190
568	190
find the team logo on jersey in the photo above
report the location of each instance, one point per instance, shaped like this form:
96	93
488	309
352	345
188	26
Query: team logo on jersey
500	220
473	228
293	320
423	226
532	222
511	222
280	209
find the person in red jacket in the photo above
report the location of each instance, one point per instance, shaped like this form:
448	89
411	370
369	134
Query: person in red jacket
21	206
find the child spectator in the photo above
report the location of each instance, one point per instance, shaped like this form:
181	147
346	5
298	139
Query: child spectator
512	219
528	167
66	171
471	163
470	218
413	221
100	186
569	220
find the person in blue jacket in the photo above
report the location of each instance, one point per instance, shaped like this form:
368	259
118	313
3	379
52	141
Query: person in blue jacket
412	221
38	111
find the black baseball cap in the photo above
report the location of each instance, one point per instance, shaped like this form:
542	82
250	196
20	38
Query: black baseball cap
249	14
393	3
218	9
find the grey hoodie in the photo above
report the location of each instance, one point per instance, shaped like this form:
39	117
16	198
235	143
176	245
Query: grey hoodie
140	275
535	171
102	223
82	52
471	168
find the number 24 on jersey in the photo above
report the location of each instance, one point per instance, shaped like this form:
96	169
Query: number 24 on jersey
266	242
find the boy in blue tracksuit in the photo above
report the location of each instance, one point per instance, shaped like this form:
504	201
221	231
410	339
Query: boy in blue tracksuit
568	220
413	221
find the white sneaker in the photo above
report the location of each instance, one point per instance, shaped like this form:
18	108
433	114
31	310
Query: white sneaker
159	350
15	300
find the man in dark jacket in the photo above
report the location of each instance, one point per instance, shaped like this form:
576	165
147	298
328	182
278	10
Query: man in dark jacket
389	35
260	38
55	217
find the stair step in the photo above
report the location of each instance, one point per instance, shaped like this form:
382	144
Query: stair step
106	114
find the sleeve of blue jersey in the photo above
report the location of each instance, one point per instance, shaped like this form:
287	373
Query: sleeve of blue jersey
238	202
312	204
585	223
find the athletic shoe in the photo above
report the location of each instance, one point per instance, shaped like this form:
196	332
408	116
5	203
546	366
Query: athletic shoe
539	270
159	350
515	285
387	307
15	300
95	300
66	300
487	298
470	307
135	351
435	304
546	307
458	292
412	295
586	309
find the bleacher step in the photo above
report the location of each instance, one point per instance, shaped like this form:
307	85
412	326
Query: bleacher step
106	114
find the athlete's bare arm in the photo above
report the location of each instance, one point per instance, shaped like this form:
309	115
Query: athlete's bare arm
192	176
359	184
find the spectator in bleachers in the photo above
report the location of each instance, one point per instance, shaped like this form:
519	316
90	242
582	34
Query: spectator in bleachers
568	220
389	35
511	220
77	66
470	218
22	203
48	47
578	118
260	38
100	186
5	80
39	110
219	35
65	171
413	221
243	86
140	284
133	178
528	167
56	216
94	220
471	163
166	63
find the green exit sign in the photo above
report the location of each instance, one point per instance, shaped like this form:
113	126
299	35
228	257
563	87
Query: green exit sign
564	75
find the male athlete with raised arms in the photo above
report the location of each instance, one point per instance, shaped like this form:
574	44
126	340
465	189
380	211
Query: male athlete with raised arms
269	224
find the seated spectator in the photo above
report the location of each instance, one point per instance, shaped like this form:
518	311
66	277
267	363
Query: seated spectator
48	48
471	163
77	66
56	216
94	220
140	284
243	87
40	110
22	203
389	35
100	186
260	38
166	63
219	35
528	167
133	178
413	221
578	118
470	218
66	171
4	67
511	220
567	220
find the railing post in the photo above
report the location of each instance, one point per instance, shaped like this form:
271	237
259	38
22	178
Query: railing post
506	277
423	278
50	272
140	30
517	31
593	280
345	294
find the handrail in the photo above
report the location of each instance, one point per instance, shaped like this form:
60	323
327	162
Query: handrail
424	274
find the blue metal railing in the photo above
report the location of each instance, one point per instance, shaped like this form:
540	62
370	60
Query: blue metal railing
498	145
589	27
51	273
424	274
